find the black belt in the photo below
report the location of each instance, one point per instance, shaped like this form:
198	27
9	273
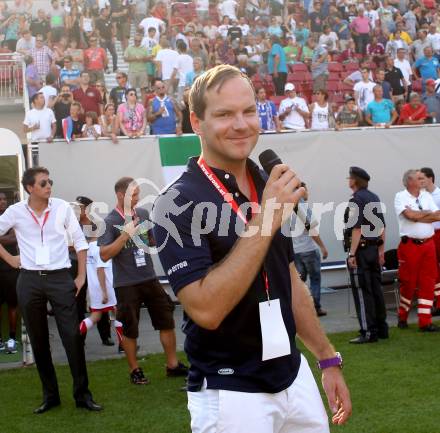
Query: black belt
405	239
369	242
44	272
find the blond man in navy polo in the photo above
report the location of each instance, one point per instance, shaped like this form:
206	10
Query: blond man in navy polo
218	234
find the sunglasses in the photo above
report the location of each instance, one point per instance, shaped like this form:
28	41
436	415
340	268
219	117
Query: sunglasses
418	204
44	182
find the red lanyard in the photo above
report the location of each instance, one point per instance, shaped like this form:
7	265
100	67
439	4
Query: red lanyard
227	196
46	216
133	215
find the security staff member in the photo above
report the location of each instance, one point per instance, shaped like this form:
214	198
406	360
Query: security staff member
42	225
416	211
364	241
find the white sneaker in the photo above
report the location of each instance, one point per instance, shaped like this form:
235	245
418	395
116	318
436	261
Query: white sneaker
11	346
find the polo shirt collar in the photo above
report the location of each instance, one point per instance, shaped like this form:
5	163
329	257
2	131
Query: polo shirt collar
228	179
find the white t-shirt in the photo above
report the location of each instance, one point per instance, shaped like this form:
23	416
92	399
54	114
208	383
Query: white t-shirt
365	92
93	287
223	30
168	59
373	17
24	45
45	117
148	22
405	67
148	43
405	200
185	64
228	8
244	29
202	5
49	93
320	116
436	197
210	31
90	133
435	41
294	120
330	40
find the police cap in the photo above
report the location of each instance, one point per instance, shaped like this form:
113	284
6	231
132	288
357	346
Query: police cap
359	172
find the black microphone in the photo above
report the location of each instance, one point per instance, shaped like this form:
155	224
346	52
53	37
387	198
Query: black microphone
268	160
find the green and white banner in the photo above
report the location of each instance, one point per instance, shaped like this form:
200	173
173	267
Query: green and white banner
174	154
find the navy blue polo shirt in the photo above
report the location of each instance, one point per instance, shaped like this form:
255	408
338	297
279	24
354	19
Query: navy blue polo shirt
369	216
192	235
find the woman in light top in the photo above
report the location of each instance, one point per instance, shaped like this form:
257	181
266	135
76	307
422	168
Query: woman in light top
109	122
321	114
131	115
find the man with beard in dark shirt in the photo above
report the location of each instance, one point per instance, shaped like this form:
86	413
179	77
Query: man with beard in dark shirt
61	108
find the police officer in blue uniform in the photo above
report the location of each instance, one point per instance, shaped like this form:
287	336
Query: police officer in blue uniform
364	237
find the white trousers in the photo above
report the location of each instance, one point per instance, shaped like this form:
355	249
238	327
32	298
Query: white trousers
298	409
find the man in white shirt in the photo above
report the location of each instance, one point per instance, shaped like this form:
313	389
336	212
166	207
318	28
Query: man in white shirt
184	65
403	64
434	38
166	60
26	43
363	90
293	111
371	14
427	178
49	91
416	211
151	21
228	8
40	121
210	30
42	226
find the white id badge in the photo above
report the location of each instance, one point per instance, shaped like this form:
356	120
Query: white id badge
273	331
139	257
42	256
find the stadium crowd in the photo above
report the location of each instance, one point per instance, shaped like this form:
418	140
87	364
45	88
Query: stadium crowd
318	65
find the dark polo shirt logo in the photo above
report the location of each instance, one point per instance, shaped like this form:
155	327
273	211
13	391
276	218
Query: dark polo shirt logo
226	371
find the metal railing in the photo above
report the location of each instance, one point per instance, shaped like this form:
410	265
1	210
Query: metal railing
12	77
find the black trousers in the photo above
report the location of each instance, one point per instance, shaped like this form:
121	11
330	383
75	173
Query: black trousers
34	291
367	292
279	83
109	45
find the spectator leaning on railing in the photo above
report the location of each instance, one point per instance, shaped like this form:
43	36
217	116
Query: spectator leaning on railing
39	121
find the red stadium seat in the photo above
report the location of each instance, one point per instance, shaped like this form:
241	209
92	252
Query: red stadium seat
334	76
276	100
346	87
298	67
333	86
351	66
335	67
